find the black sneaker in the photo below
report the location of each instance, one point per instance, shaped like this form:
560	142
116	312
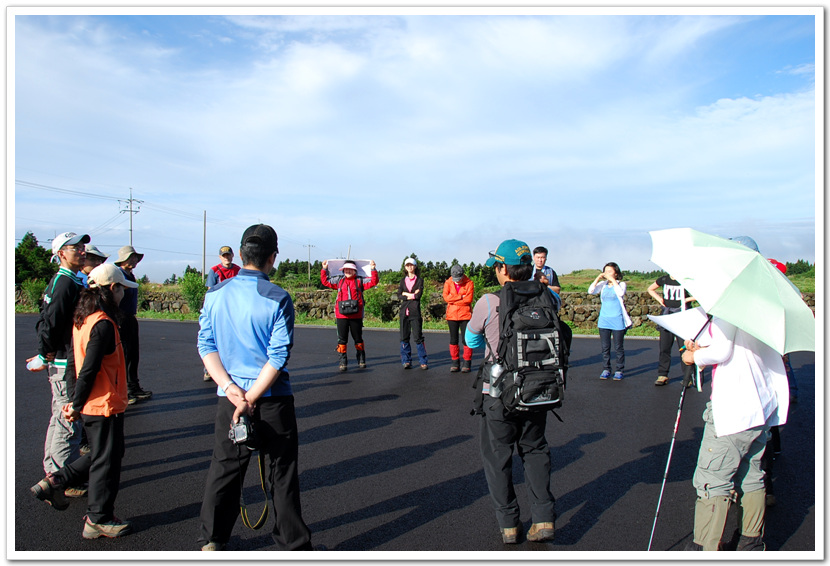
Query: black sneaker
751	543
143	395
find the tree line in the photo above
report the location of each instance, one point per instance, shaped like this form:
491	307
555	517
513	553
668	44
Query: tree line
32	263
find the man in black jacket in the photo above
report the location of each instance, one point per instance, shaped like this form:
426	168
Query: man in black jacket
128	258
54	334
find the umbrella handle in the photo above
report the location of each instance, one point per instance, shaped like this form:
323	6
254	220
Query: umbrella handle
698	375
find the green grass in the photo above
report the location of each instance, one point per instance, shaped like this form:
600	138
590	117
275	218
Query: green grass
806	282
643	330
167	315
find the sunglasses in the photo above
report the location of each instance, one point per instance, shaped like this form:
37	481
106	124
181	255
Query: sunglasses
498	257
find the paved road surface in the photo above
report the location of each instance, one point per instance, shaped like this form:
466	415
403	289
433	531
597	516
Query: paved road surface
389	458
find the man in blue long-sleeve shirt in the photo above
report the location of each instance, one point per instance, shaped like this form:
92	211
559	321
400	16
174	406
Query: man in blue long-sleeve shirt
245	338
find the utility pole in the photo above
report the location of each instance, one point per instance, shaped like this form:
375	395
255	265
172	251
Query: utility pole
132	211
204	244
309	246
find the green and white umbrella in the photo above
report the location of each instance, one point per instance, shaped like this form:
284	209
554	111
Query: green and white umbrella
739	285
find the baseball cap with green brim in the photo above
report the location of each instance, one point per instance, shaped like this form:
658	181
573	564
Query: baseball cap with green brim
68	239
511	252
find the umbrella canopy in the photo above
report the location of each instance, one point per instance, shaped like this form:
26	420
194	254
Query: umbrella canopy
686	324
739	285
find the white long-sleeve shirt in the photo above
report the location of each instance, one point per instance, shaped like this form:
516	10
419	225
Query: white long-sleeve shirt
749	382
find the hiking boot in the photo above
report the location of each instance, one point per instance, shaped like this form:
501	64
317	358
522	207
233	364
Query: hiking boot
76	491
112	529
618	376
605	374
662	380
540	532
751	543
213	545
455	366
49	490
142	395
510	536
465	366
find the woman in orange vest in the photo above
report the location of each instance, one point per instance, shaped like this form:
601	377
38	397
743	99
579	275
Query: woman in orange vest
101	398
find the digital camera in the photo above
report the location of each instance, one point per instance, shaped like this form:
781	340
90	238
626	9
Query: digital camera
242	432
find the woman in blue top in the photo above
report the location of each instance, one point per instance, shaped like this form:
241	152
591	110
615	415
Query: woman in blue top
613	318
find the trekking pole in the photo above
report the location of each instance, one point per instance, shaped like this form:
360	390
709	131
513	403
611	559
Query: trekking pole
668	462
673	437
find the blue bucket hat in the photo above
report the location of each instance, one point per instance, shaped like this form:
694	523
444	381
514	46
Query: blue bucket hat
511	252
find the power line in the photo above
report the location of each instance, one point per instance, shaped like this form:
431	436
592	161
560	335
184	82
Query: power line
152	206
61	190
157	207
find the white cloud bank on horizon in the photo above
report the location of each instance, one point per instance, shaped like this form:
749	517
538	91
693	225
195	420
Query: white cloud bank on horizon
396	134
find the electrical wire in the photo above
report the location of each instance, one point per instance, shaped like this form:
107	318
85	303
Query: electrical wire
60	190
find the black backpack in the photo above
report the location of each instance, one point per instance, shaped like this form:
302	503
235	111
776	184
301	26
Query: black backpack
532	357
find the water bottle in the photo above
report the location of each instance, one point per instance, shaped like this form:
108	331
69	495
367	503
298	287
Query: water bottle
35	364
496	385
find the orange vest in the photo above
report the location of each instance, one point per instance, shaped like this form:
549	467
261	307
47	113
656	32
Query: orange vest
109	392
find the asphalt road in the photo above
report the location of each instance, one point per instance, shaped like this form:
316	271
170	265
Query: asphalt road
389	458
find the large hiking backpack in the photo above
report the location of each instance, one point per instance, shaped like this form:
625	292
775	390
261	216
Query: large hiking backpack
533	349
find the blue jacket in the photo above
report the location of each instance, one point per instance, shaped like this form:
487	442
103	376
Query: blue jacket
249	321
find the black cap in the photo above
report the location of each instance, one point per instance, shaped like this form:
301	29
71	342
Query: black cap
263	235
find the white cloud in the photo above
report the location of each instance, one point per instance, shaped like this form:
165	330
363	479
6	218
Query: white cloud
382	131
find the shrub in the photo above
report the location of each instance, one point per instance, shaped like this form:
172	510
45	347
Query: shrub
33	291
193	289
378	304
32	261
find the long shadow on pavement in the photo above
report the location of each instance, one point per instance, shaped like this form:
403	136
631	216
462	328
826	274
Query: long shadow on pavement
424	505
355	426
374	464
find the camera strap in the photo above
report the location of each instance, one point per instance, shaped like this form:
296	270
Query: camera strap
243	510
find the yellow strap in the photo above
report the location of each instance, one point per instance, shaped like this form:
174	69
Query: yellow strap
242	508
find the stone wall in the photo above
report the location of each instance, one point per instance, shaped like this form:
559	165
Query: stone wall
162	301
581	309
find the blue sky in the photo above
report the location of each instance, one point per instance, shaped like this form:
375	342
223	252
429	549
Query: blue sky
435	134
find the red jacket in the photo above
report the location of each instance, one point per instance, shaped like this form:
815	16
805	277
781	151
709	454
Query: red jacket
458	301
347	288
